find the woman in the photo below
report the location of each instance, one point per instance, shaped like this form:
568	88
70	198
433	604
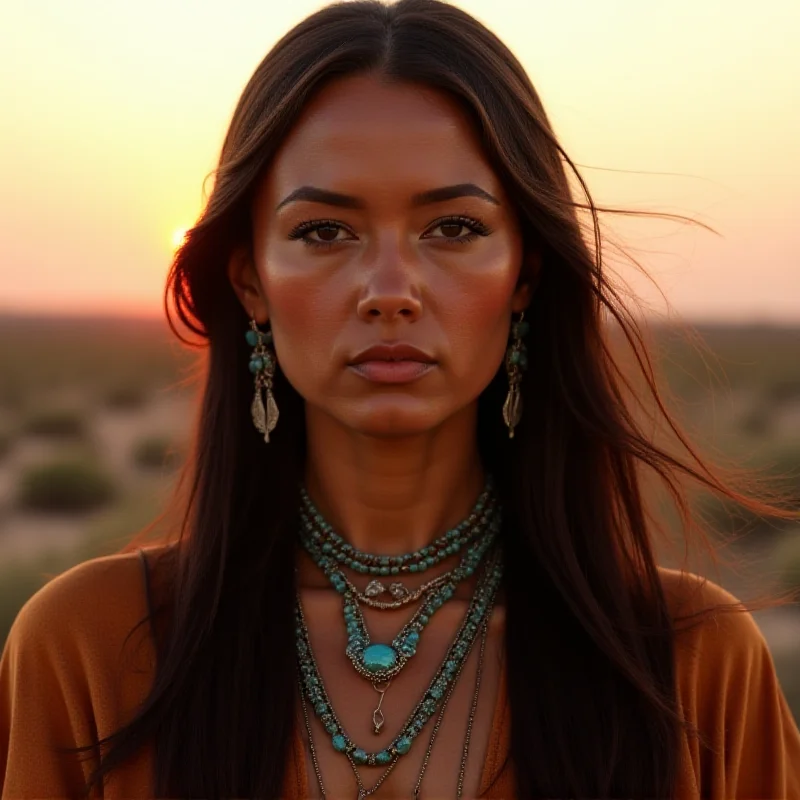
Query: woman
415	558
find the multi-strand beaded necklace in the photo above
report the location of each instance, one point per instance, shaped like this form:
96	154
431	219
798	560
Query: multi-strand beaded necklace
380	663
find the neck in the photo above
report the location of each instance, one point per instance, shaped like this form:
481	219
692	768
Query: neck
393	496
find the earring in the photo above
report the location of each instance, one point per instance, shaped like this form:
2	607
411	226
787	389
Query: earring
516	364
262	365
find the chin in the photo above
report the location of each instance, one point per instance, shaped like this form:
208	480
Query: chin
399	419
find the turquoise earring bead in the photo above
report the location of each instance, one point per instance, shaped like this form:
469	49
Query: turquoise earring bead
255	338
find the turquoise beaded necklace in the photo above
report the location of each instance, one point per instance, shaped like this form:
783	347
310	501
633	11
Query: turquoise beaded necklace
311	682
319	533
379	663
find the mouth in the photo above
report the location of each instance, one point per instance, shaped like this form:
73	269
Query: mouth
392	363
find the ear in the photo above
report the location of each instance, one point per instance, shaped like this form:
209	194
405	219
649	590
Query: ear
244	279
529	278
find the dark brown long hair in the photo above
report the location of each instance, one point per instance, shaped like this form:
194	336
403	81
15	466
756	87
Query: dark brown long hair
581	581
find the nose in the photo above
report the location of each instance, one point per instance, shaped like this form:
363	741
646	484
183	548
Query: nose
391	290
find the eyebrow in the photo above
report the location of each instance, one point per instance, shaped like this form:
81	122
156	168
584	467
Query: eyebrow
313	194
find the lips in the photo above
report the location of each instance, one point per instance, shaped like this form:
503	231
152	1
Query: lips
393	352
392	363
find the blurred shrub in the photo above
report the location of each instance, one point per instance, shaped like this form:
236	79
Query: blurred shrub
91	353
5	443
724	517
114	528
757	421
125	397
787	665
58	423
156	452
787	560
784	390
11	397
65	486
780	466
784	463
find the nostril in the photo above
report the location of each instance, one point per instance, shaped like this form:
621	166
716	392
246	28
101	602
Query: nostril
389	308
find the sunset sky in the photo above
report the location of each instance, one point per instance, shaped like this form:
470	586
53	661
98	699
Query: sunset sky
113	113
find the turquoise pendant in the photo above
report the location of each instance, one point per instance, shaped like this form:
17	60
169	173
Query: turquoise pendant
379	657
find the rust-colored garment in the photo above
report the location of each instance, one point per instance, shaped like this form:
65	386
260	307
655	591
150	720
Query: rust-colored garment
65	678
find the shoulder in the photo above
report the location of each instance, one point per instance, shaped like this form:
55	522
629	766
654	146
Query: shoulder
712	626
92	605
741	739
700	608
686	591
723	666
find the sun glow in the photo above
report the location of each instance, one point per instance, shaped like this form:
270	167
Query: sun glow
178	237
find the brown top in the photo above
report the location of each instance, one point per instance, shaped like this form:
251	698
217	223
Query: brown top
65	677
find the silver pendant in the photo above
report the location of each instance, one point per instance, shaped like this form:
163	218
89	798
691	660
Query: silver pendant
265	419
374	588
377	715
272	415
258	412
398	591
512	409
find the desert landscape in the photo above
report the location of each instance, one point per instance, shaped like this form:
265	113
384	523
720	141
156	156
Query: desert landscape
95	416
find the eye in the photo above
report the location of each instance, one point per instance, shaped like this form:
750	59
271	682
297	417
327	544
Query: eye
321	233
452	229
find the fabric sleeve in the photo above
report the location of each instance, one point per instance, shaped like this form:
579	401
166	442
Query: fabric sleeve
731	689
44	704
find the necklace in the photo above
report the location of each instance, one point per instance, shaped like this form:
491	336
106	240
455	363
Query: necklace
318	533
363	793
312	685
380	663
403	596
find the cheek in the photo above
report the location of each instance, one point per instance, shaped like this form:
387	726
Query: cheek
303	317
477	310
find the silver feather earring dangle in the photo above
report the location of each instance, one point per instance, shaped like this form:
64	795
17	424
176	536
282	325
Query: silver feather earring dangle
262	365
516	364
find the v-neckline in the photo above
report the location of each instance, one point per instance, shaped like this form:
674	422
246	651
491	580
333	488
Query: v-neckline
494	758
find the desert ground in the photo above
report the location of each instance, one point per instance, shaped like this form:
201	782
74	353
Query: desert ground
96	415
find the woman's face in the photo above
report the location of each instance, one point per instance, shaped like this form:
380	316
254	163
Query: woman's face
380	224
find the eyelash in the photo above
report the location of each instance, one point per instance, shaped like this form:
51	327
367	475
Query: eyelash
476	227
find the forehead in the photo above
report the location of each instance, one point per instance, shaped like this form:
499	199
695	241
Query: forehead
366	131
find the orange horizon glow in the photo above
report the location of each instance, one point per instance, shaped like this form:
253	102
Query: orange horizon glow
117	114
